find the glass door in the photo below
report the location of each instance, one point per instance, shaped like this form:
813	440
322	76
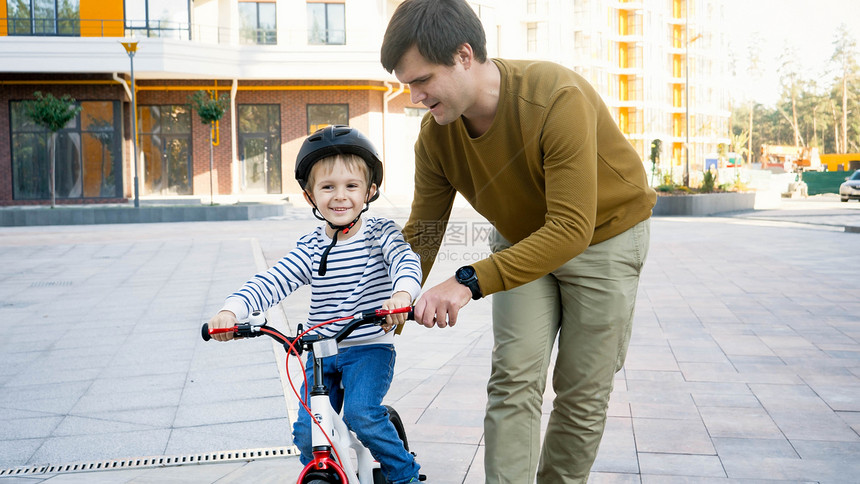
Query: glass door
165	142
255	152
260	148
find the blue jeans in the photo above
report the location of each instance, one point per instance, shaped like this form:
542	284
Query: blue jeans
358	378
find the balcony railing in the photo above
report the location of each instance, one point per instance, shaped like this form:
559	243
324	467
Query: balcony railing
163	29
42	26
51	27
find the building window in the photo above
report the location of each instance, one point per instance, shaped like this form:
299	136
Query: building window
635	89
158	18
634	122
258	23
165	143
260	147
322	115
531	37
326	23
43	17
634	56
86	153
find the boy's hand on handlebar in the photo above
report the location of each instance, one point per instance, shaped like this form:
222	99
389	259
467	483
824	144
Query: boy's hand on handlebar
400	299
224	319
439	305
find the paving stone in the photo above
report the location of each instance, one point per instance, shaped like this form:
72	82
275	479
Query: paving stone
742	422
801	414
617	452
680	465
734	327
754	448
666	436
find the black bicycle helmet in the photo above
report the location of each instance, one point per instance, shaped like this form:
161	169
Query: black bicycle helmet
338	139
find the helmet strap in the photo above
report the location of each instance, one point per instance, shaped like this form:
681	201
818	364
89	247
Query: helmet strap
337	230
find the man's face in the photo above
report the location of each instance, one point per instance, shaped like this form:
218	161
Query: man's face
443	89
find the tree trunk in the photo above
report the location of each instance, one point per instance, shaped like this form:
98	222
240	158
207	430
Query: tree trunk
749	142
794	119
52	148
844	108
835	128
211	163
814	126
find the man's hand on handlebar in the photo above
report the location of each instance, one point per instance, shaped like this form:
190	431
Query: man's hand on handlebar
400	299
439	305
224	319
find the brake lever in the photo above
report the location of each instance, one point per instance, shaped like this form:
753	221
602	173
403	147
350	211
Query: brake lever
297	349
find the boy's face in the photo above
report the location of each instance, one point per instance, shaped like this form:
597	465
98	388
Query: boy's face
339	191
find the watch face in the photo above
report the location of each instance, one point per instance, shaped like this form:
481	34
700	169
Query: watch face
465	272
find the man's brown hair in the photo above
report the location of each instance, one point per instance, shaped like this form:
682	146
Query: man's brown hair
437	27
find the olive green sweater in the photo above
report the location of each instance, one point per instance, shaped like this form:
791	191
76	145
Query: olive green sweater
553	174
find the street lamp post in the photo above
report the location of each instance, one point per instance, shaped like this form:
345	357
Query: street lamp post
131	49
687	42
687	100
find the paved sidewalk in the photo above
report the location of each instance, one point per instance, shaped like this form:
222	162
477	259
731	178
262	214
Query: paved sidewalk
744	365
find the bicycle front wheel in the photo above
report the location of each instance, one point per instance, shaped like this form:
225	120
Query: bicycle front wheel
395	419
322	478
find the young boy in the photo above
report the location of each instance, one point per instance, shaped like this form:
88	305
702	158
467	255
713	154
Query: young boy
353	264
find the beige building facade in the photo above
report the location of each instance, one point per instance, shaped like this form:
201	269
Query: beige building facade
288	67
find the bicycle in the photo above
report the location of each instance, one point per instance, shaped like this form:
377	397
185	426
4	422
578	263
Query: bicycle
331	439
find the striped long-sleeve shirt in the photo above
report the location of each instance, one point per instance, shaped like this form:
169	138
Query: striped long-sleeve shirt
363	272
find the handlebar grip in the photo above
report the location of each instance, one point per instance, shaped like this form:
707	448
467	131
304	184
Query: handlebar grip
204	332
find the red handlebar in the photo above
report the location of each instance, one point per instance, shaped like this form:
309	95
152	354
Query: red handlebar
253	330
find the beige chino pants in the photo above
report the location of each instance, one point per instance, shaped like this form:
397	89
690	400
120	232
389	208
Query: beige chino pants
588	304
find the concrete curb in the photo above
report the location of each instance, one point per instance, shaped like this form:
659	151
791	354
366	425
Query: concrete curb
21	216
701	204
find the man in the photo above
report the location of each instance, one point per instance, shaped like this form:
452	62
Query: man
534	149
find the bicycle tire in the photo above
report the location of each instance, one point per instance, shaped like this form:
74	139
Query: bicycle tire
318	477
323	480
395	419
378	478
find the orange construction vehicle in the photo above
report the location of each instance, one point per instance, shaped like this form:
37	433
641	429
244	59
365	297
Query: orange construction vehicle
790	158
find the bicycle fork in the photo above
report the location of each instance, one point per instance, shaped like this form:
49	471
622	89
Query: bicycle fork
329	429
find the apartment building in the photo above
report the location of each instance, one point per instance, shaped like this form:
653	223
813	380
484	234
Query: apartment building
287	67
291	66
636	52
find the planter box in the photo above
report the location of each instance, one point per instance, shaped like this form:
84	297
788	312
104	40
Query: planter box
701	204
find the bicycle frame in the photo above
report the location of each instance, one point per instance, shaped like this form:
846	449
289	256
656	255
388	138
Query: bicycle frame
331	438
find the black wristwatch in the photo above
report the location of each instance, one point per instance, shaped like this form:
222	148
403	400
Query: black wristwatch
467	277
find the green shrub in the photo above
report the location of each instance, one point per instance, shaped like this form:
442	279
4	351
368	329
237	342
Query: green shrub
708	179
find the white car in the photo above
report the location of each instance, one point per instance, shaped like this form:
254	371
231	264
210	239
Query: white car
851	187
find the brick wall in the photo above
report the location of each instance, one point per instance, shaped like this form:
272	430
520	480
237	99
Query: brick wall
293	109
11	90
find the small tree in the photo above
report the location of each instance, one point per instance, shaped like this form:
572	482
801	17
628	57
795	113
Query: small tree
210	109
656	147
53	114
